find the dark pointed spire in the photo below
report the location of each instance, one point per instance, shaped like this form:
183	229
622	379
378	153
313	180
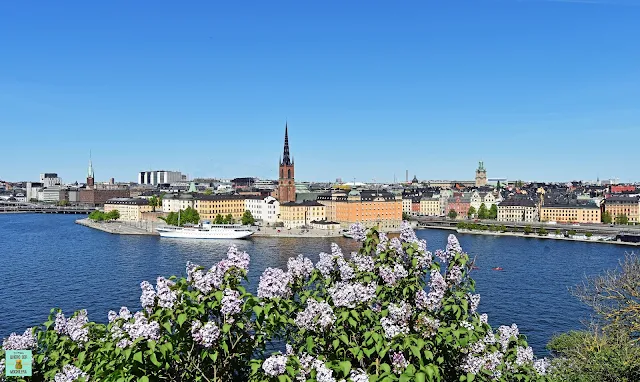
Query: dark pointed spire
285	156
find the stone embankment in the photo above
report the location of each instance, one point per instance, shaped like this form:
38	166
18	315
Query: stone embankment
583	238
120	228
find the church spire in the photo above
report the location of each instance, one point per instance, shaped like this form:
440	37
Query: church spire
90	170
285	156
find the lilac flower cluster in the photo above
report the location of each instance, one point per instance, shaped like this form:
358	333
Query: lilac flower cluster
453	246
309	363
76	328
358	231
231	302
358	375
26	341
205	335
326	264
422	299
2	369
203	281
406	233
541	366
363	263
124	314
60	325
346	271
391	276
442	255
424	258
316	317
166	297
474	302
484	319
236	259
397	322
275	365
427	326
384	242
454	275
398	362
274	283
396	245
437	288
141	327
336	251
350	294
506	333
524	355
70	373
116	330
148	297
299	267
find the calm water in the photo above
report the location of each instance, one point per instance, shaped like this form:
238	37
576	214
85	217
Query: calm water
48	261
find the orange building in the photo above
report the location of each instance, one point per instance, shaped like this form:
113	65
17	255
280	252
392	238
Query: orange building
623	205
369	207
208	206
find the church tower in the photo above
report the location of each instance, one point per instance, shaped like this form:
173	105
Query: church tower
481	175
286	181
90	180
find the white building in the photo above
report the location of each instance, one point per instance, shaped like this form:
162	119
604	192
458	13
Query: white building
517	210
160	177
406	204
477	198
50	179
177	202
51	194
264	210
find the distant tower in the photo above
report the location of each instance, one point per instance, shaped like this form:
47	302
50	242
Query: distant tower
90	179
286	182
481	175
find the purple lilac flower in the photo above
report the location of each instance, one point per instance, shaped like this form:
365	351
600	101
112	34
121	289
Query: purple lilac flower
274	283
231	302
358	231
396	245
364	263
346	272
398	362
397	322
238	259
453	246
26	341
325	264
428	326
442	255
421	299
76	327
166	297
472	364
70	373
275	365
316	317
422	245
399	271
2	369
474	301
382	245
299	267
205	335
203	281
437	288
148	297
454	275
387	274
350	294
336	251
424	259
60	324
358	375
407	234
141	327
289	349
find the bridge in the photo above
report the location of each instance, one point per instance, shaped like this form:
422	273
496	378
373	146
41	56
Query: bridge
42	209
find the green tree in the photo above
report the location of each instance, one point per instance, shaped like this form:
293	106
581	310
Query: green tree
406	216
247	218
188	215
527	230
482	212
493	212
622	219
542	232
228	219
97	216
113	215
219	219
471	212
154	202
588	234
606	218
558	232
571	233
63	203
208	191
452	214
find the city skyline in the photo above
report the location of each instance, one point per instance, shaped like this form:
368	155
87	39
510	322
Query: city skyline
368	92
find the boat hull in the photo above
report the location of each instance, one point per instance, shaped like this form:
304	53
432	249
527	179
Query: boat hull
204	234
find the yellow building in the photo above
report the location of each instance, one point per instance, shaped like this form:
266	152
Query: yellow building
628	206
297	215
369	207
430	207
208	206
589	213
130	209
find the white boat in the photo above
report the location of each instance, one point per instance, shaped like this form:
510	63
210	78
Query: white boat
206	230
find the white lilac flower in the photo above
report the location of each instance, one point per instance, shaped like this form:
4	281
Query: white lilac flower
477	347
336	251
489	339
26	341
274	283
506	333
148	297
396	245
142	328
474	301
274	365
358	231
203	281
391	329
61	324
205	335
399	271
364	263
442	255
350	294
2	369
238	259
323	373
346	272
467	325
437	288
70	373
422	245
124	313
112	316
541	366
524	355
317	316
397	322
424	259
231	302
166	297
358	375
119	335
421	299
454	275
387	274
289	349
453	246
428	326
406	233
325	265
472	364
76	327
299	267
484	318
398	362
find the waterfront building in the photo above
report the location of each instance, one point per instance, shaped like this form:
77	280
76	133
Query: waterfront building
481	175
298	215
51	194
176	202
459	203
32	190
286	191
517	209
415	205
100	193
619	205
368	207
209	206
562	213
157	177
406	204
131	209
50	179
264	210
479	197
430	206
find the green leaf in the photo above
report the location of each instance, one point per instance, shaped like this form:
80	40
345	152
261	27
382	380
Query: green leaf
309	344
182	318
154	360
345	366
470	377
138	357
144	378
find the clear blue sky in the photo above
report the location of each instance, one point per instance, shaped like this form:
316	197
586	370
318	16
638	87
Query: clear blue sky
546	90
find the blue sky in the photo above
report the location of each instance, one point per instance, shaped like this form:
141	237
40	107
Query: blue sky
545	90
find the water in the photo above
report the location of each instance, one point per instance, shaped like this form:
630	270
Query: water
48	261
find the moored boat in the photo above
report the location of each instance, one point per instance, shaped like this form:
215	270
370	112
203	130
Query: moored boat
207	230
